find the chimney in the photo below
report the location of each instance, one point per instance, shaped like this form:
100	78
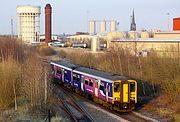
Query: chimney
48	11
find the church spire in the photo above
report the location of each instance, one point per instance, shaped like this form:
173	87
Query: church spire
133	23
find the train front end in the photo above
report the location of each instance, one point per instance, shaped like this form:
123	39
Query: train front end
124	95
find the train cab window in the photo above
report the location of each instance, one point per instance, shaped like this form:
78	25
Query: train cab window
101	86
132	87
117	87
86	81
65	72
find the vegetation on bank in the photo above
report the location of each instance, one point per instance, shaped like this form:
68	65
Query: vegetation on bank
22	76
158	77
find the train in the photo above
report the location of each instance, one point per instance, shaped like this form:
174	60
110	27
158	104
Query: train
115	92
79	45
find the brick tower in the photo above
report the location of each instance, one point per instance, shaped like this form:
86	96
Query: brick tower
48	12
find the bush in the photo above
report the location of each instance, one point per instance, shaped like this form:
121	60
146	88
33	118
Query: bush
21	76
12	47
45	50
10	78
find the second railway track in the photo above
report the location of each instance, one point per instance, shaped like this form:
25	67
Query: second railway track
72	108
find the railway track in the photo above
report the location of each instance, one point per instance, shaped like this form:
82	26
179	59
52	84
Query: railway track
71	107
129	117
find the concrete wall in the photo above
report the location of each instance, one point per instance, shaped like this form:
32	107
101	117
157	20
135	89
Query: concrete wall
173	34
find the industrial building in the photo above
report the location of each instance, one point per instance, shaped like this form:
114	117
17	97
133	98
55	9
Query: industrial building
29	23
143	47
176	24
167	34
92	27
103	26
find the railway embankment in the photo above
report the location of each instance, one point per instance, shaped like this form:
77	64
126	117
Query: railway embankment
158	78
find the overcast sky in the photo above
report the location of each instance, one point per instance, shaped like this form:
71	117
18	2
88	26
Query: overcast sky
70	16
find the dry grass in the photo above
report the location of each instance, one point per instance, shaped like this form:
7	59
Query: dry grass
45	50
21	76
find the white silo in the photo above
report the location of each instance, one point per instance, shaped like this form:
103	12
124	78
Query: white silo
113	25
92	27
29	23
103	26
95	44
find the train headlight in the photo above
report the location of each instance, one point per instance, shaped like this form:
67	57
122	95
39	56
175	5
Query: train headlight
117	99
132	98
124	105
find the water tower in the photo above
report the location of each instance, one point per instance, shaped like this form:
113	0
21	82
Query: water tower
29	23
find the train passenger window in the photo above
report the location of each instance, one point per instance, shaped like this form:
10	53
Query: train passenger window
101	86
132	87
78	78
65	72
86	81
74	77
117	87
52	67
58	71
91	84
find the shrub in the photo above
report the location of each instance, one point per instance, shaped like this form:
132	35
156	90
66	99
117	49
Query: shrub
45	50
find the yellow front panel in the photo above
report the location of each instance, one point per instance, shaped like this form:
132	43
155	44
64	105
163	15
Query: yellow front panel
134	94
125	93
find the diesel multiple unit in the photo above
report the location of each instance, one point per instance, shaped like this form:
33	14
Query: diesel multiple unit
113	91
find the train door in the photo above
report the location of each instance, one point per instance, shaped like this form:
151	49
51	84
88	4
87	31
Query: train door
55	71
82	83
62	75
125	92
107	91
97	83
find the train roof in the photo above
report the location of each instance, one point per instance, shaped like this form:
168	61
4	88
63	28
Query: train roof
64	64
104	76
99	74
